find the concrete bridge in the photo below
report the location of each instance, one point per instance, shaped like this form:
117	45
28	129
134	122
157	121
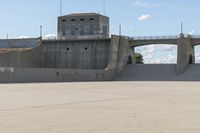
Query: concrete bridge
185	47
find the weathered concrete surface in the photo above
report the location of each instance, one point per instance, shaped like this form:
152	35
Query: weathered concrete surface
117	107
30	75
83	25
158	72
137	43
120	51
20	43
76	54
185	53
124	52
22	58
113	55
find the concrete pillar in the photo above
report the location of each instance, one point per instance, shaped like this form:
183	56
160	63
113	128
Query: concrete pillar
119	53
123	53
185	53
133	53
113	57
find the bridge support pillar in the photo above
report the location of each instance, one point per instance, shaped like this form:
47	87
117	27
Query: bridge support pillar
119	53
185	53
133	53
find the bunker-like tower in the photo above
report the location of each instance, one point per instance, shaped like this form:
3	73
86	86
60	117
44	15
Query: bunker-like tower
83	25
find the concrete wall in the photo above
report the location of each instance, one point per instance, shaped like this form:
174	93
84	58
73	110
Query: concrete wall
120	50
113	55
76	54
21	57
20	43
21	52
11	75
185	52
83	25
158	72
124	52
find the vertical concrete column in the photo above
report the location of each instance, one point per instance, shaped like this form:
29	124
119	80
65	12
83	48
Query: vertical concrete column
185	53
133	53
124	53
113	56
119	53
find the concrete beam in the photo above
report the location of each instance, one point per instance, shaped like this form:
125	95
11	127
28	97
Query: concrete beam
137	43
195	41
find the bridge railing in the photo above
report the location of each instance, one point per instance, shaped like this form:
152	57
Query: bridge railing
154	37
195	36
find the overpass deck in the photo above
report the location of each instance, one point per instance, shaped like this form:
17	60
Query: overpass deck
170	39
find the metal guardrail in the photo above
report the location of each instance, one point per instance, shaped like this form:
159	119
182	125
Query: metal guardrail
155	37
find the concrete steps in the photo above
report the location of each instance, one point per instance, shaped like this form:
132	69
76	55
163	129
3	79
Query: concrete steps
158	72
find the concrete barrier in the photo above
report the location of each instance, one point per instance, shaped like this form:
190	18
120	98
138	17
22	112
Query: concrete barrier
6	75
158	72
28	75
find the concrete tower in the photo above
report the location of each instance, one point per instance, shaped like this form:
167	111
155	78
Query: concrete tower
83	25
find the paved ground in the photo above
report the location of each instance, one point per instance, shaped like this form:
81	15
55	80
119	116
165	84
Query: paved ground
117	107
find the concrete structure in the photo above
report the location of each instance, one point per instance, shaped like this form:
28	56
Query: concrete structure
24	75
76	54
20	43
185	47
66	60
84	52
83	25
93	60
158	72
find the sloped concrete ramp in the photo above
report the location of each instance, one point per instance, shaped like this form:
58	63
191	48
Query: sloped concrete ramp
158	72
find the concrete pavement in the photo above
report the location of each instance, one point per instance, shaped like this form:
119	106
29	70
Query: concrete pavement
104	107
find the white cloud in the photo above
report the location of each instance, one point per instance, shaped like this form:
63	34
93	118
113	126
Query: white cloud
191	32
23	37
153	59
50	36
197	58
155	54
147	4
140	3
168	48
146	50
170	59
144	17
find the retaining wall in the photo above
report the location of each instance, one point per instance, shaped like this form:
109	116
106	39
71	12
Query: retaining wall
20	43
158	72
76	54
25	75
21	57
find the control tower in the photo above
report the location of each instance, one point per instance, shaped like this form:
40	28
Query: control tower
83	25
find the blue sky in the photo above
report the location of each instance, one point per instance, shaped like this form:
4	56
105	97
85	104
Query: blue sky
137	17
